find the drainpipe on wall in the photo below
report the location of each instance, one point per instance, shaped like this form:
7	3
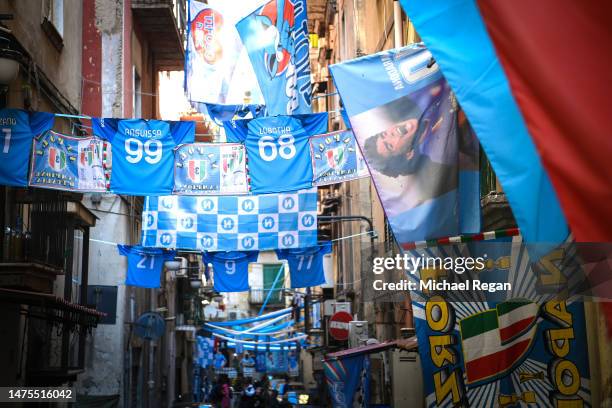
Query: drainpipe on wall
397	24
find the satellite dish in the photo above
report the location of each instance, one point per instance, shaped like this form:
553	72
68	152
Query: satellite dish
150	326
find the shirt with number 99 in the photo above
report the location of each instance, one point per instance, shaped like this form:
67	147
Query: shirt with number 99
143	152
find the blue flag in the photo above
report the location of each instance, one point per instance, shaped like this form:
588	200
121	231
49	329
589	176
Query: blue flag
17	130
348	381
143	152
404	118
231	223
68	163
224	113
507	341
230	269
210	168
306	264
278	149
144	265
336	158
276	39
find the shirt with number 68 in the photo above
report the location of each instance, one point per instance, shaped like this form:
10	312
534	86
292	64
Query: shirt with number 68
277	149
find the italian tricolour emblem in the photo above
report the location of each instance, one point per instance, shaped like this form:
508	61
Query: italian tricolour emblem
497	340
336	157
197	170
57	159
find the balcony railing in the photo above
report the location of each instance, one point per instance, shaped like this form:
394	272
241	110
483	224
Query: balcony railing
257	296
164	23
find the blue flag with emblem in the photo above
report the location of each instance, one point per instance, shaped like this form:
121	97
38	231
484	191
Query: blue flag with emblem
68	163
210	168
276	39
231	223
348	380
336	158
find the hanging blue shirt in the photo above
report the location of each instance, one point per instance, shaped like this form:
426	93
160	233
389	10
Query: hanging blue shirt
17	130
144	265
231	269
278	150
143	153
306	264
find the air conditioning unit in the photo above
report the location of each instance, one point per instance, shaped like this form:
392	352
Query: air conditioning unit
406	379
358	333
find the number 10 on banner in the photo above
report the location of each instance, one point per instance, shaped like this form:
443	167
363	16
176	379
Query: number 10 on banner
269	148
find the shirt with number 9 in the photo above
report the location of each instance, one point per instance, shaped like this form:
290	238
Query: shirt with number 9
143	152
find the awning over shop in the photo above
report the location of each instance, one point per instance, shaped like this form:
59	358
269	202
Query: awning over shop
406	344
55	308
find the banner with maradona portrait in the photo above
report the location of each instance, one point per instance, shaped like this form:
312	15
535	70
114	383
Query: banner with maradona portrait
276	39
405	120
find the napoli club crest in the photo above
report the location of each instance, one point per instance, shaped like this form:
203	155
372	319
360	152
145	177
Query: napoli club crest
205	33
278	19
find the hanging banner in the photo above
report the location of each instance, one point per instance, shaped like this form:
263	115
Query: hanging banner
230	223
276	39
348	381
68	163
210	168
493	329
336	158
406	125
278	149
277	362
217	68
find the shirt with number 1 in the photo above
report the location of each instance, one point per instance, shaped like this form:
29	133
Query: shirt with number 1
277	149
143	153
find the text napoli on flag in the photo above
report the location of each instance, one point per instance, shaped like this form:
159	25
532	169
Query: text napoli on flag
508	346
475	73
276	39
217	68
406	126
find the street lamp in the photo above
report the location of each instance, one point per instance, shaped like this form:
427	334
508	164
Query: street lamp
9	60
